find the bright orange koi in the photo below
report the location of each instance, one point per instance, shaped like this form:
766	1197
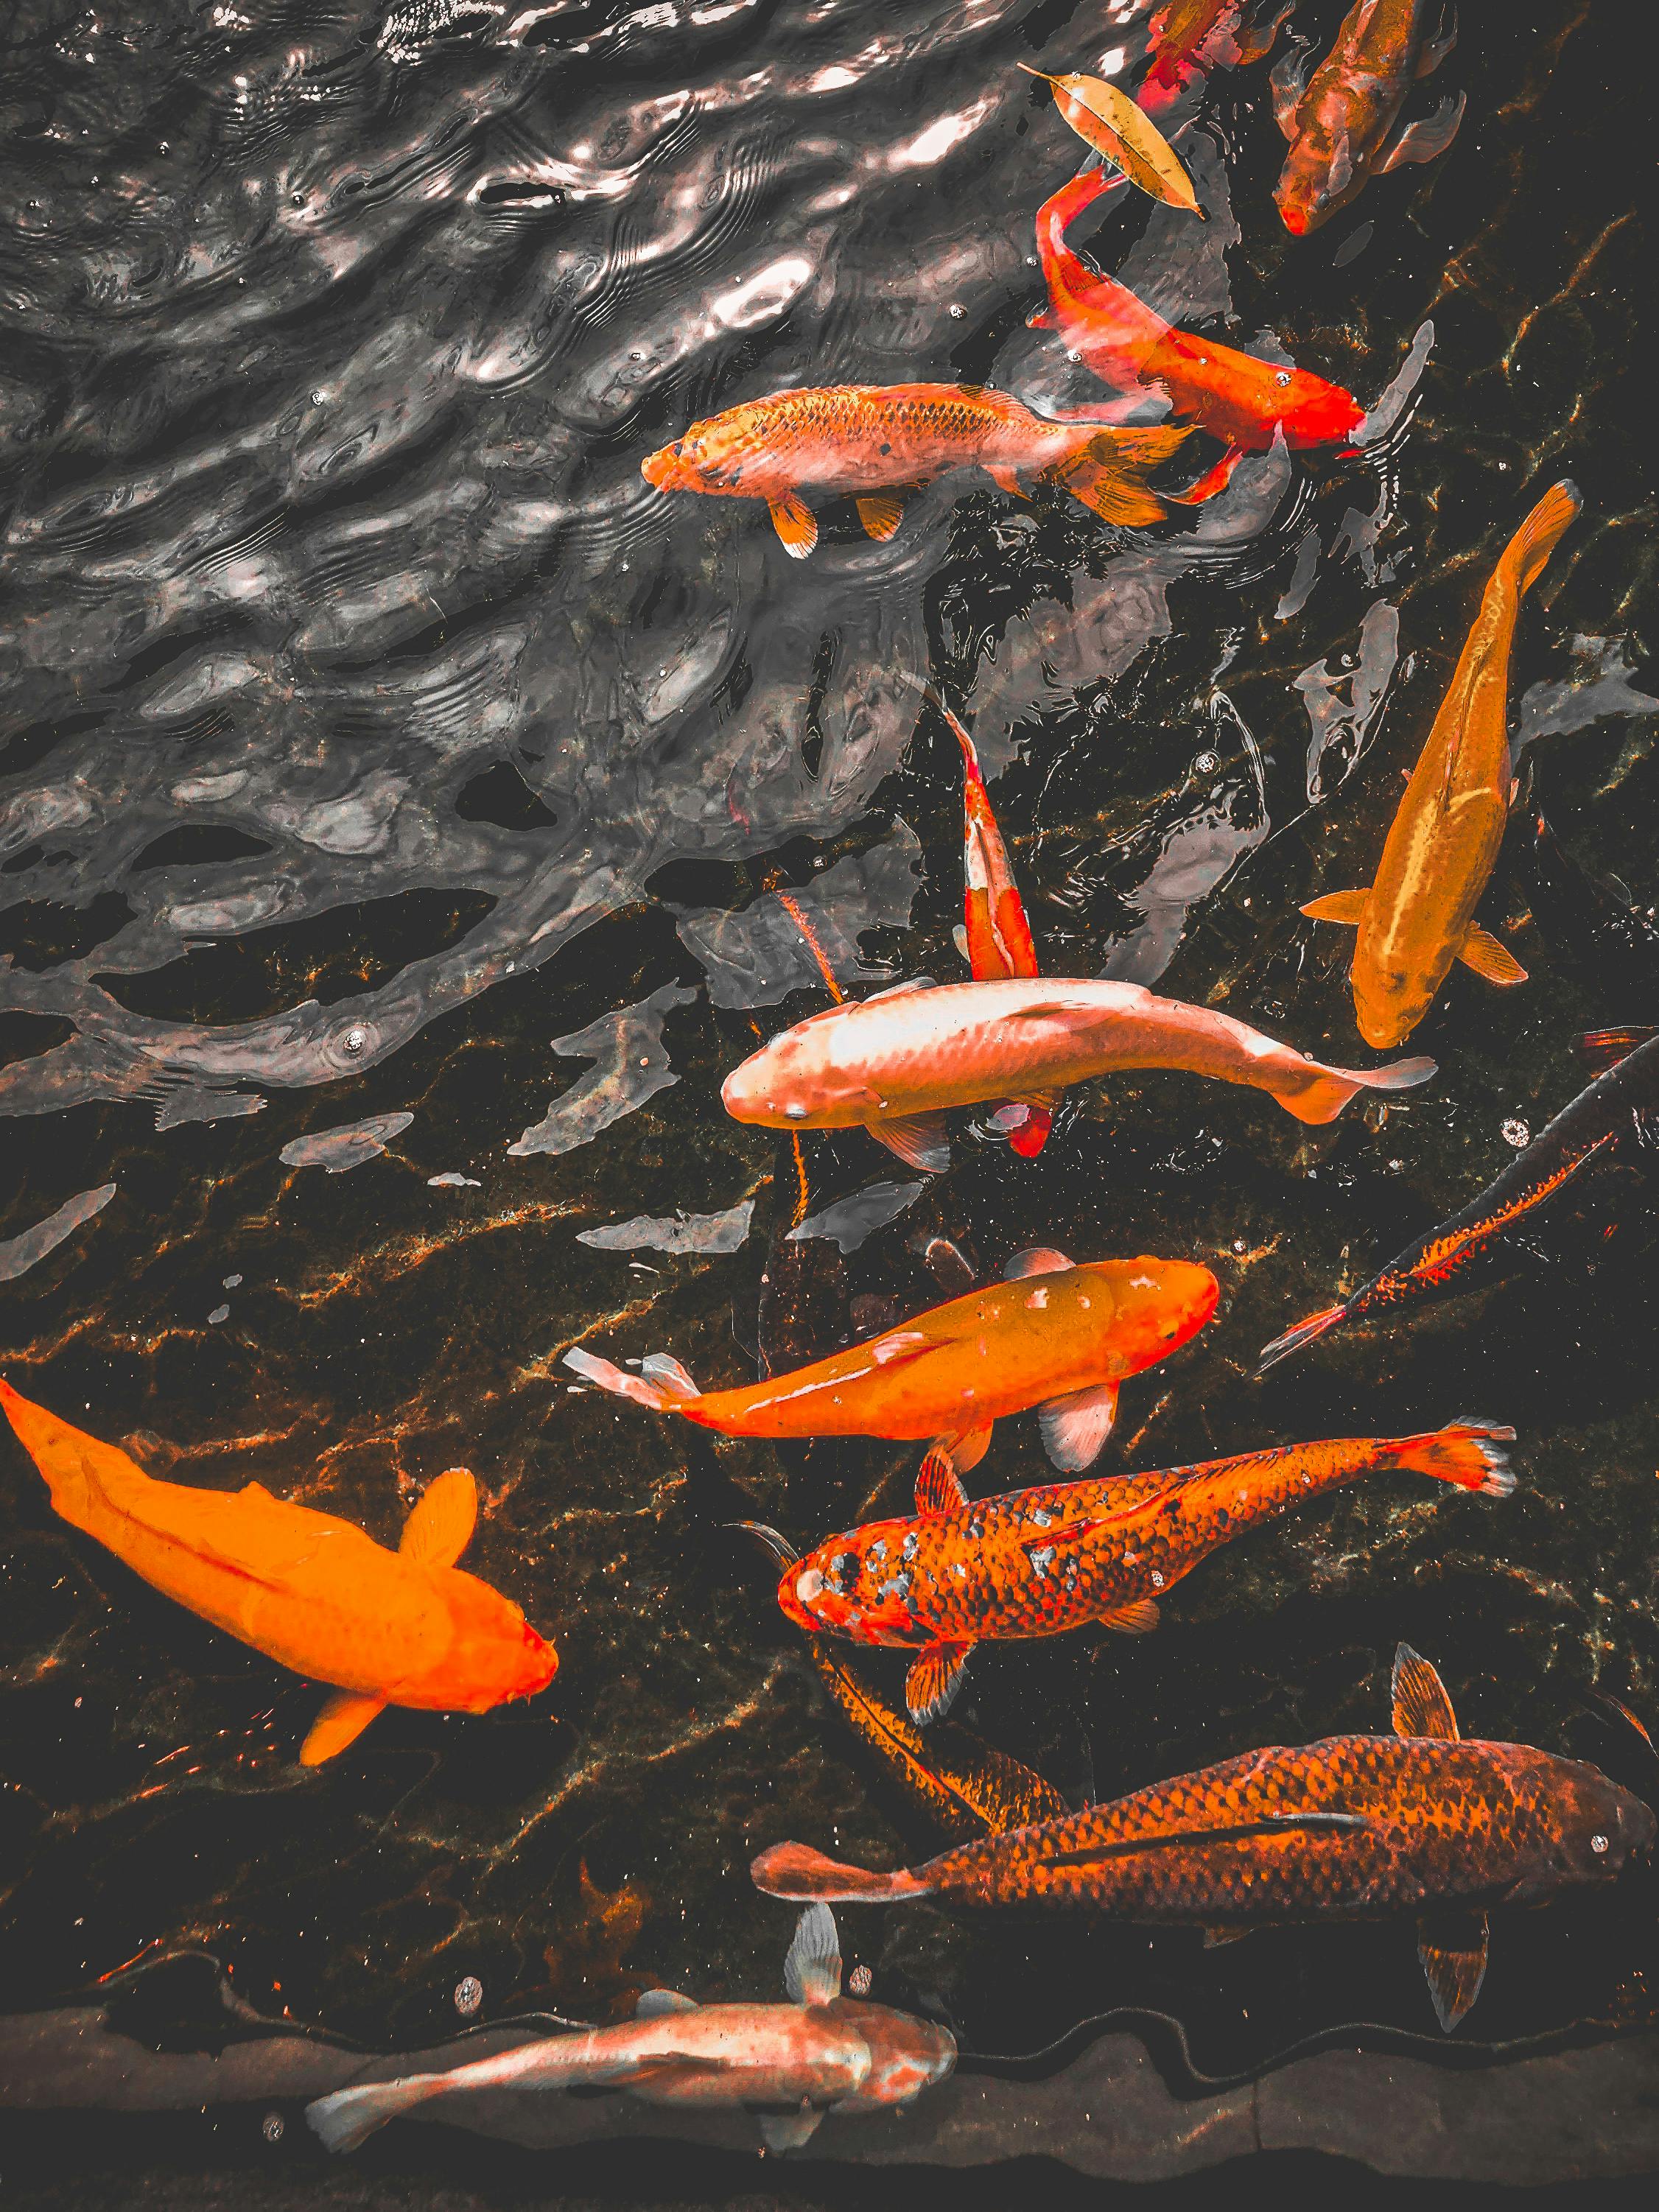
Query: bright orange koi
880	442
1418	918
1341	125
1064	1345
316	1594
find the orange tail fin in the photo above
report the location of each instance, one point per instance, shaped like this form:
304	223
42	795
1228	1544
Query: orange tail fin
796	1871
1467	1451
1527	555
1108	473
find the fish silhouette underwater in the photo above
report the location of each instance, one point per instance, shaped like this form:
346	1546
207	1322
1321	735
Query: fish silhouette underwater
1424	1823
313	1592
788	2064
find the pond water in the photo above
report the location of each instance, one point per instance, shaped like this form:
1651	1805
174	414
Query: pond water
381	753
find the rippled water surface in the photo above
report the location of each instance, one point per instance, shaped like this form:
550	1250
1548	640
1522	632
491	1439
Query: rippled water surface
379	752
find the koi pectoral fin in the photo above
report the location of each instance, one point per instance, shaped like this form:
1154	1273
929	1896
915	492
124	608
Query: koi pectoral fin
931	1686
340	1723
1348	907
441	1527
1453	1949
1425	140
795	524
1490	960
939	1487
1137	1619
787	2130
921	1140
881	514
1215	1937
1211	482
1075	1427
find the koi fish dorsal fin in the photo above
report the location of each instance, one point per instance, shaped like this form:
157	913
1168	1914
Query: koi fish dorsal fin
1348	907
931	1686
654	2004
440	1528
1037	1259
1421	1706
340	1722
1452	1946
1490	959
939	1487
811	1970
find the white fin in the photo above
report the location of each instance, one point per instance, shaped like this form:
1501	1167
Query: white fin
921	1140
788	2131
1075	1427
655	2003
811	1971
959	939
1037	1259
345	2118
895	990
658	1367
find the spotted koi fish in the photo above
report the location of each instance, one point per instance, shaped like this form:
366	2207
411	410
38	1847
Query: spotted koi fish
1064	1345
1459	1255
1423	1823
1417	919
1039	1562
315	1593
1237	397
1341	125
880	442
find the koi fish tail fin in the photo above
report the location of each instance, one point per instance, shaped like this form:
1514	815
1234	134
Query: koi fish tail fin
662	1384
1108	473
1324	1099
350	2117
1304	1333
1527	552
1467	1451
796	1871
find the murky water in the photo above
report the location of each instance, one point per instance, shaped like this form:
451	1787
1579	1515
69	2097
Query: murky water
381	753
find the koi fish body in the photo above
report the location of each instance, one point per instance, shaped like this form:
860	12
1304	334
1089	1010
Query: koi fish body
789	2063
1457	1254
1235	396
1354	1827
310	1591
1341	124
1039	1562
1065	1344
893	1064
1417	919
878	443
1190	38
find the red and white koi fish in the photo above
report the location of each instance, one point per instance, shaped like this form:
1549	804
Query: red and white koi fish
1342	123
1235	396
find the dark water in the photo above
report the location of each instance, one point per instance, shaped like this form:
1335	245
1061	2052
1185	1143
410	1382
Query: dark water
368	724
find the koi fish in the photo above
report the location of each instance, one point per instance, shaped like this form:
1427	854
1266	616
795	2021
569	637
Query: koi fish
1191	38
1242	401
1341	124
1458	1254
1354	1827
1064	1346
880	442
789	2064
316	1594
892	1064
997	934
1039	1562
1591	921
1418	918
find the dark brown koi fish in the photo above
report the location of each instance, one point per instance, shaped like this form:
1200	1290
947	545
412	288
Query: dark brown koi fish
1354	1827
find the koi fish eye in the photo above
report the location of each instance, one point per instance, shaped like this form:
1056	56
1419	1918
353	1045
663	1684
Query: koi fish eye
1282	379
1598	1845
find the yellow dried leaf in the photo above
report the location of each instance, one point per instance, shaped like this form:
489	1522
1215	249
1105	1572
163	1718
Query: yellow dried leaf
1109	121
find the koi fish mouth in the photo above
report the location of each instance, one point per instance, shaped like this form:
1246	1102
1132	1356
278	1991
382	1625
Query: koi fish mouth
662	468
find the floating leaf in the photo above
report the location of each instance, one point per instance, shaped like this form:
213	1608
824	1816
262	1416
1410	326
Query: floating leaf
1109	121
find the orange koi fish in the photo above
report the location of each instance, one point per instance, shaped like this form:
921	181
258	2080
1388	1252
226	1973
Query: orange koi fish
1418	918
316	1594
1191	38
1341	125
1233	396
998	934
788	2063
1039	1562
1064	1346
893	1063
1355	1828
880	442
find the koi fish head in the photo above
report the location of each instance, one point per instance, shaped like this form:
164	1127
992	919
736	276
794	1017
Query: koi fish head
1594	1827
1388	1001
1155	1306
711	457
855	1584
794	1082
907	2054
493	1654
1319	176
1316	412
